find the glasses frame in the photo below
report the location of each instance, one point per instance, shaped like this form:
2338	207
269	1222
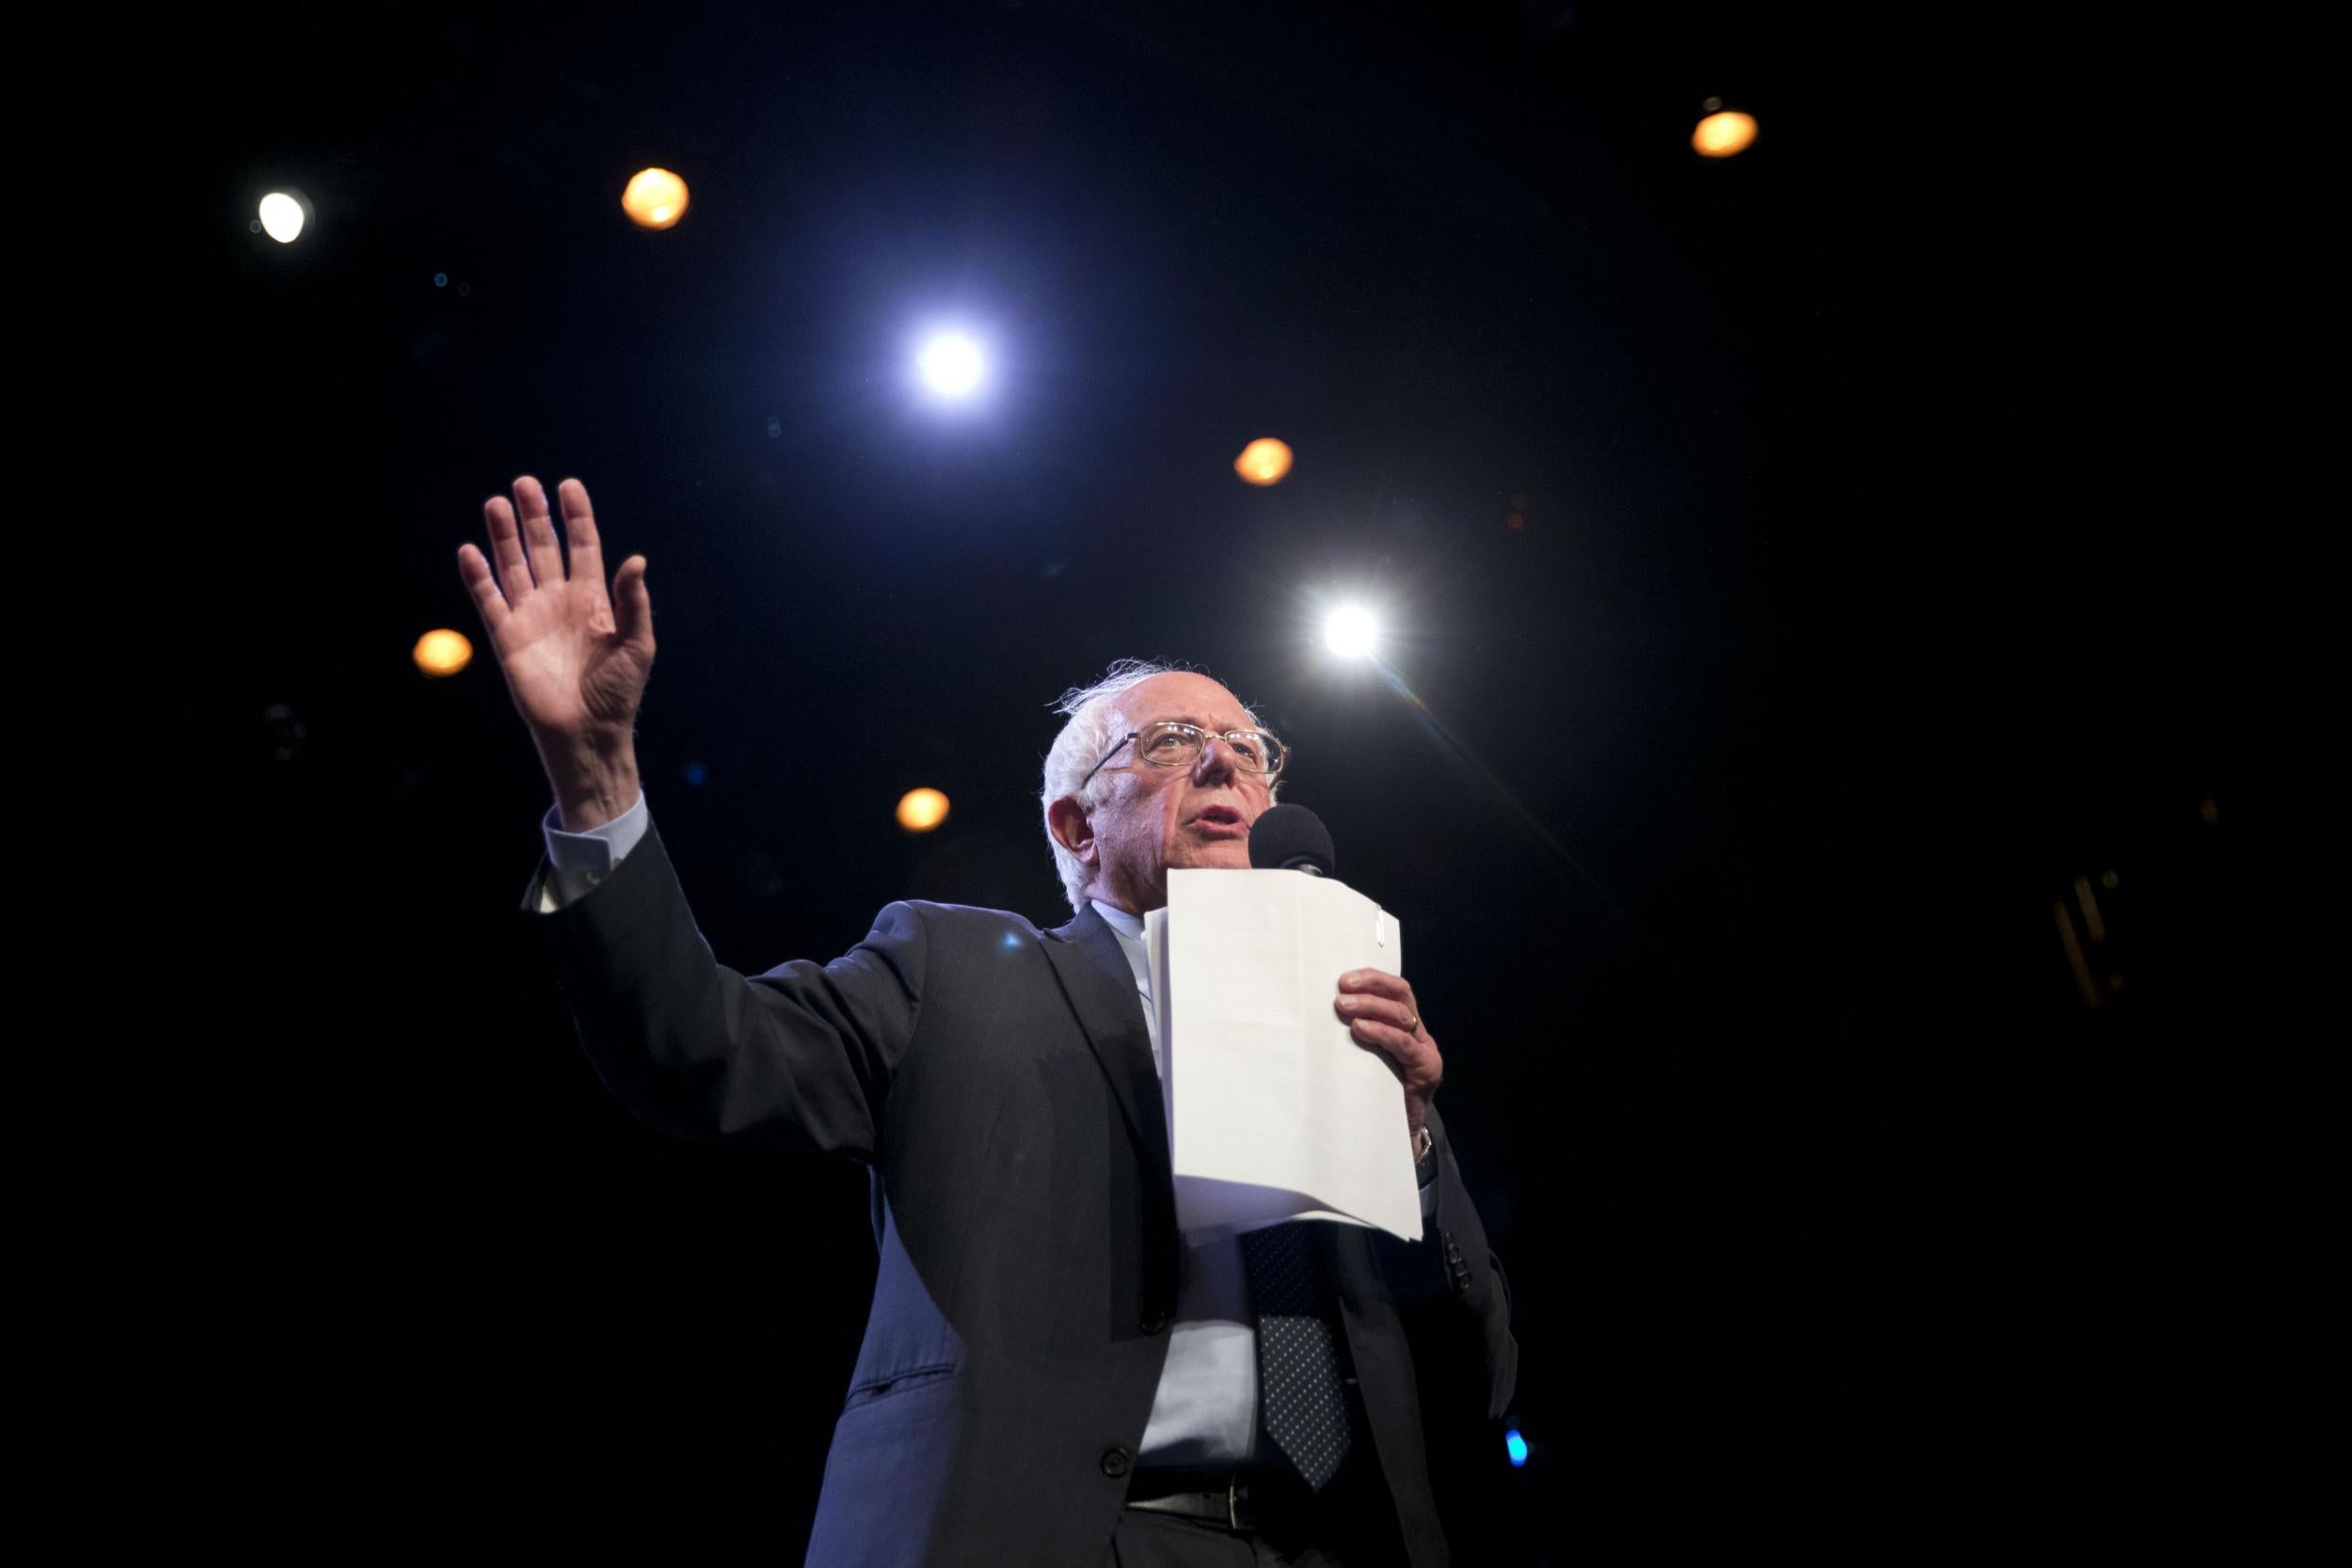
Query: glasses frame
1282	753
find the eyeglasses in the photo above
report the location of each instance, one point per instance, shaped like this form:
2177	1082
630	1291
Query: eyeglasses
1169	744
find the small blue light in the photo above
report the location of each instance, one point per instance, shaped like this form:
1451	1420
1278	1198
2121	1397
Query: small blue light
695	773
1515	1445
1012	939
440	280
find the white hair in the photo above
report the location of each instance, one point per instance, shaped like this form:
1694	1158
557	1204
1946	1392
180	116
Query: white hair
1092	728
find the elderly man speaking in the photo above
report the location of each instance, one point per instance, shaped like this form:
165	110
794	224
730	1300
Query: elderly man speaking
1053	1374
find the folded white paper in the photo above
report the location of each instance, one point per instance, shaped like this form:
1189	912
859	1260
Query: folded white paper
1275	1113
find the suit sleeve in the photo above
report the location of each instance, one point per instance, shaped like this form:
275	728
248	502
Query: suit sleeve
1455	1298
799	1057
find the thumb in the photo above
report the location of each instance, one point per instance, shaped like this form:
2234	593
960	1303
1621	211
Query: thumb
633	606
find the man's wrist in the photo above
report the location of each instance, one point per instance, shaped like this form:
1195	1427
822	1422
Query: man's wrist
593	788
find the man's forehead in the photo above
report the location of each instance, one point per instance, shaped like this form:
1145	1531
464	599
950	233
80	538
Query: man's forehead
1182	694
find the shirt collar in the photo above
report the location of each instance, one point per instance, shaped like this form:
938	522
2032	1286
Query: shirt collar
1128	927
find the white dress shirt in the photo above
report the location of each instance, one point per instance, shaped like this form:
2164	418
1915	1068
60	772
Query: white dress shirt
1205	1413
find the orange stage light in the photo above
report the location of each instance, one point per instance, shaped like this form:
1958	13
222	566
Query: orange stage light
921	810
1724	134
656	198
442	653
1263	461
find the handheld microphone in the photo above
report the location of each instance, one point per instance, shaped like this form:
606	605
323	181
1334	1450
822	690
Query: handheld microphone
1291	839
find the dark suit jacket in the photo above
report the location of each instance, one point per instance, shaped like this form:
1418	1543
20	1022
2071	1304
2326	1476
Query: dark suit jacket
998	1081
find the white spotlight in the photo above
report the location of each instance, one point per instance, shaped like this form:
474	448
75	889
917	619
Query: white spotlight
281	216
1351	632
952	365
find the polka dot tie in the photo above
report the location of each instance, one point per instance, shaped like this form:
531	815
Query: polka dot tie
1300	1397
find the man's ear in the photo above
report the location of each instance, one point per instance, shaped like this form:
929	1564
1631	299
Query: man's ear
1072	829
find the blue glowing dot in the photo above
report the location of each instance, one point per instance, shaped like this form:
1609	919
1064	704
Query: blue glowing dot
1012	939
440	280
1515	1445
775	426
695	773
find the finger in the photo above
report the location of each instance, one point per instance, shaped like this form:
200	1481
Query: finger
1414	1059
1379	1008
475	572
539	545
580	533
633	606
1377	982
506	546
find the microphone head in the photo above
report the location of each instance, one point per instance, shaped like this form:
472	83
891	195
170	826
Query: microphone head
1291	839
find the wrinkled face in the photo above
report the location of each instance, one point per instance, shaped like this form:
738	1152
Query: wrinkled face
1156	820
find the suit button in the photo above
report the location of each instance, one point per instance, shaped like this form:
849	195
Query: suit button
1156	1322
1117	1462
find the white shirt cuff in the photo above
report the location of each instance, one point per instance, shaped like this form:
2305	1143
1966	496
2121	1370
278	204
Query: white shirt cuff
577	861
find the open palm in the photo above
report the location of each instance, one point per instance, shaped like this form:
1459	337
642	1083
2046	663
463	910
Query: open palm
576	658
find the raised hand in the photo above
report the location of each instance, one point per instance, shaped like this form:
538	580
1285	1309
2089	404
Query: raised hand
576	658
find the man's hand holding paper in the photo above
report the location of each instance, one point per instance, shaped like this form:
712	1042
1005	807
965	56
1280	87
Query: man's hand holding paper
1383	1016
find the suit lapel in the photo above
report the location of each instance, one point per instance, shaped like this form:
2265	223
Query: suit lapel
1101	991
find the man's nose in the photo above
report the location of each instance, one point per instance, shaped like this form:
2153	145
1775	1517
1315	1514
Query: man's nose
1214	762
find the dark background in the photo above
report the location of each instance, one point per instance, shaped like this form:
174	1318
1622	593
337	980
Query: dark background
1872	587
